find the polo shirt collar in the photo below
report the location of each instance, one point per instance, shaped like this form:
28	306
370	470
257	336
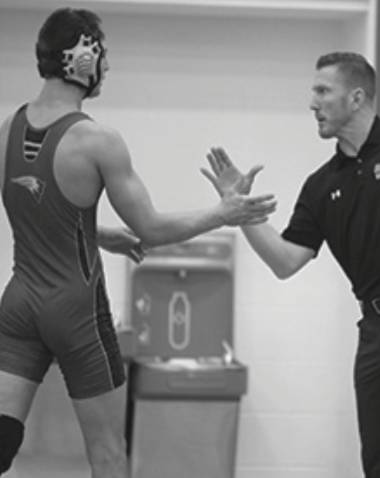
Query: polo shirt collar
372	142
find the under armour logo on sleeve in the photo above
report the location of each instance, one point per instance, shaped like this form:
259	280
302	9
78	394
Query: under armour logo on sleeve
336	194
376	171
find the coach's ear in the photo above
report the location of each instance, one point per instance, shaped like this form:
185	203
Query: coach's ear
358	98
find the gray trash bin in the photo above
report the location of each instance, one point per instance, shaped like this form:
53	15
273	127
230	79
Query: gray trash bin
185	418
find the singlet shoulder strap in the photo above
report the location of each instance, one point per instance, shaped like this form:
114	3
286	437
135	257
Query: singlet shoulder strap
27	142
62	122
58	128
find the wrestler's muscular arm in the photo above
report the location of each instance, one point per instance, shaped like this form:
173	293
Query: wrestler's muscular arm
109	155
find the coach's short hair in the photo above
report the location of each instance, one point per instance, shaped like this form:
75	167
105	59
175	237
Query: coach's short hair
355	69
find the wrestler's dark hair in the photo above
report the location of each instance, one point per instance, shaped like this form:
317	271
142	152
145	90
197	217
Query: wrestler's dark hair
62	30
355	69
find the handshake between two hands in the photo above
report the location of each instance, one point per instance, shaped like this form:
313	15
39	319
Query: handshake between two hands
232	186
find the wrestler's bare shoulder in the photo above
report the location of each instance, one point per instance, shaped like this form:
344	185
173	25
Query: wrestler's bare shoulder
95	138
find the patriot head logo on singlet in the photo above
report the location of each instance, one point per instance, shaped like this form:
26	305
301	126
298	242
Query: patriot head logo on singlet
34	185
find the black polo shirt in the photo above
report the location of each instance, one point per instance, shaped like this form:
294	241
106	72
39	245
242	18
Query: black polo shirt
340	204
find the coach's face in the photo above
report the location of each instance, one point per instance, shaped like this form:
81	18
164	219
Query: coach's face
332	102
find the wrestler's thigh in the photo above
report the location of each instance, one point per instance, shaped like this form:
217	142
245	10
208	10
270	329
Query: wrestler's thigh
102	418
16	395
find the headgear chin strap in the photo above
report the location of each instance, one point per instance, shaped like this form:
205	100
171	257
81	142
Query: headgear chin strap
81	64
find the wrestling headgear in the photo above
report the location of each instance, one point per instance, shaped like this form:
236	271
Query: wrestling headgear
81	64
69	47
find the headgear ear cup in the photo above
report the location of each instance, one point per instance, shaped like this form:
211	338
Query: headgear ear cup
81	64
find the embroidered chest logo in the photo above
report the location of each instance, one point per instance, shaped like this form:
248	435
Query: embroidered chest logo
376	171
34	185
337	194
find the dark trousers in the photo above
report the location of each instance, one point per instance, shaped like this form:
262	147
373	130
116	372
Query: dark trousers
367	387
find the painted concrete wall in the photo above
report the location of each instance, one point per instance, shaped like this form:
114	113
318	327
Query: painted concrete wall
177	86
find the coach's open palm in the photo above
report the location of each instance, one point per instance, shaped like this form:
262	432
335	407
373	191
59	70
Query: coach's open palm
226	175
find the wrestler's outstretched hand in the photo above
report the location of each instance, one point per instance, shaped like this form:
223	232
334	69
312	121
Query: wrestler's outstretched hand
226	175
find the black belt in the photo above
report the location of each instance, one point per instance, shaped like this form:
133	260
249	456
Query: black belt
370	306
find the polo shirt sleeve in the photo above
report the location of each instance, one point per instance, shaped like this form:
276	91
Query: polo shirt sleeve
304	228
